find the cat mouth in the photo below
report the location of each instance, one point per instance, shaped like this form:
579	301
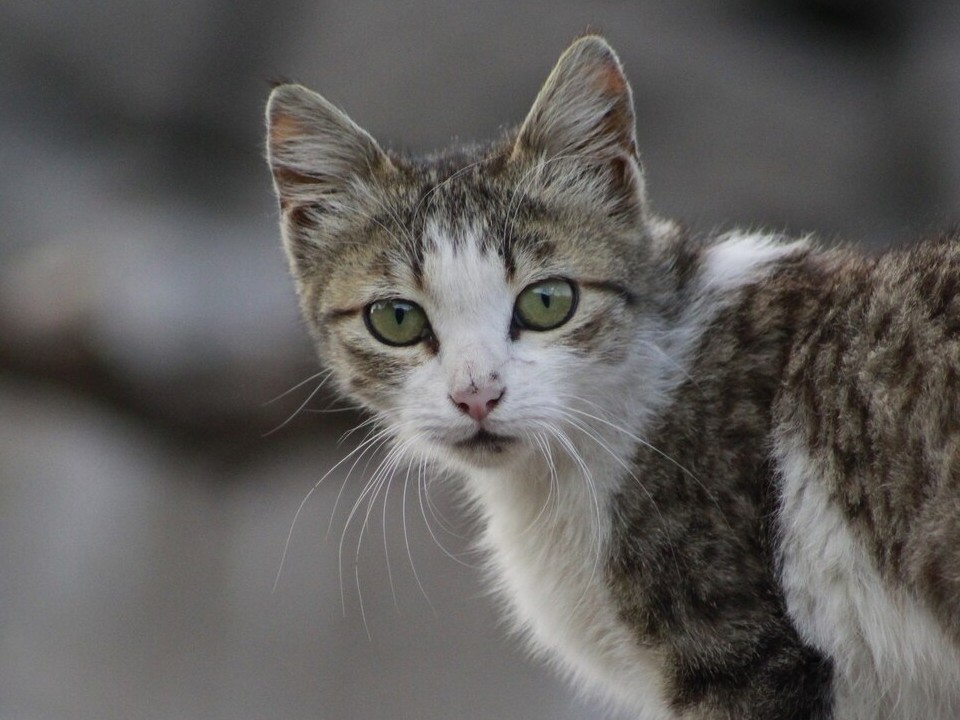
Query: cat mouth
485	440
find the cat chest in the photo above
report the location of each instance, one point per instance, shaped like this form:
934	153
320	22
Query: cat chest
550	564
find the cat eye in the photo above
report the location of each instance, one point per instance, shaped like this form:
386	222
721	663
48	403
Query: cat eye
396	322
545	305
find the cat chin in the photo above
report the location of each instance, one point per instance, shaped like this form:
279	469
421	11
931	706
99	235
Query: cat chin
486	440
486	449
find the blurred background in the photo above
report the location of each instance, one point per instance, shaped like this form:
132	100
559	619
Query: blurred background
147	484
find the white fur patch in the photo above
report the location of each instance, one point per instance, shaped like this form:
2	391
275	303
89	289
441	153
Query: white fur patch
891	658
549	549
739	258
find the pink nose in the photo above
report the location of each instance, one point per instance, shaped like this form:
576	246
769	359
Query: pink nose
477	402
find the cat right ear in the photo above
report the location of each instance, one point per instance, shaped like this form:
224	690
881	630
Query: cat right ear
324	165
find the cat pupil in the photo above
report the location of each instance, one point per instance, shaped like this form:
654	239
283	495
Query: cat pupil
398	313
545	297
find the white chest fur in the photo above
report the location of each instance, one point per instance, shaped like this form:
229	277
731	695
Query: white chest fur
548	548
891	659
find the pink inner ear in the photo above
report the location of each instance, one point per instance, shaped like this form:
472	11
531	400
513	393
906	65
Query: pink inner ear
283	127
612	79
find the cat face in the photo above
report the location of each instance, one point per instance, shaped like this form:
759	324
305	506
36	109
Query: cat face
484	303
475	354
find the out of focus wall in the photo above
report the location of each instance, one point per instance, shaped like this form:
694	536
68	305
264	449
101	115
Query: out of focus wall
146	319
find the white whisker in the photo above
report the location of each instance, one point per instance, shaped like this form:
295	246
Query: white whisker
689	473
673	363
570	448
370	492
406	536
421	489
297	411
331	411
363	614
543	446
296	515
437	515
386	551
326	373
370	443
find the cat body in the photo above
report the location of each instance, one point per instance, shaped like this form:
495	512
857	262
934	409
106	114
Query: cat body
717	478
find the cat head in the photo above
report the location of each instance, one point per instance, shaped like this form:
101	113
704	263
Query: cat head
483	300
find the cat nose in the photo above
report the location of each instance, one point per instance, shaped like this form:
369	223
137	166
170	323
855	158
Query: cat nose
477	402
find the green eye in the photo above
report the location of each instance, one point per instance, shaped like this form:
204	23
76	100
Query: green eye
545	305
396	322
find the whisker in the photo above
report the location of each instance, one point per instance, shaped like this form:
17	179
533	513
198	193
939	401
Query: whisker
331	411
579	426
438	516
299	385
421	488
551	470
406	536
626	432
295	412
296	515
386	552
638	439
674	363
372	445
693	476
378	440
554	477
567	444
363	614
376	480
369	421
371	490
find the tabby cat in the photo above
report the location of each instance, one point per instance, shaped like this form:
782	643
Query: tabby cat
718	478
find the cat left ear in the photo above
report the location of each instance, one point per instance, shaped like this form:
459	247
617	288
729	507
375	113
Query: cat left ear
580	133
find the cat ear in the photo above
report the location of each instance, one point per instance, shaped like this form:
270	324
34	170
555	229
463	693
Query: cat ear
580	134
315	151
324	166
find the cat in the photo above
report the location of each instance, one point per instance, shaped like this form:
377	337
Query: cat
717	477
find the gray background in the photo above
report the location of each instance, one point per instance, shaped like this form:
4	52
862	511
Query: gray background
146	319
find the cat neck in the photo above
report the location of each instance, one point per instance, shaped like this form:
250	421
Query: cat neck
548	536
556	482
